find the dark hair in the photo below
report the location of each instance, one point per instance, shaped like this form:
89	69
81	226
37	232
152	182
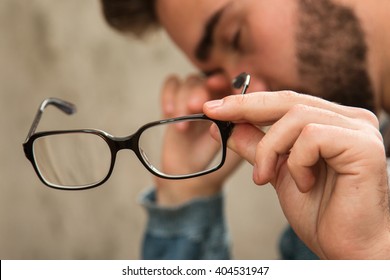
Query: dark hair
137	17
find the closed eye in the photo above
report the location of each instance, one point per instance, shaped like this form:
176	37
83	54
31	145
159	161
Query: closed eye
236	41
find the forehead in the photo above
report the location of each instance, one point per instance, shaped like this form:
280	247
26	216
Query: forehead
185	21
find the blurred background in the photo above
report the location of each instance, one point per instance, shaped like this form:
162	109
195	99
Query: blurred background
63	48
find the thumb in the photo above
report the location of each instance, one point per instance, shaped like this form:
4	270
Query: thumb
243	140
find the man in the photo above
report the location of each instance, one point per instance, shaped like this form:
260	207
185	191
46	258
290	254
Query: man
326	161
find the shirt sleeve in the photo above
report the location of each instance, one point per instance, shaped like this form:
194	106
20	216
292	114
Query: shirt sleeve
194	230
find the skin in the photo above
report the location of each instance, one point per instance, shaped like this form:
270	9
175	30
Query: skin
332	189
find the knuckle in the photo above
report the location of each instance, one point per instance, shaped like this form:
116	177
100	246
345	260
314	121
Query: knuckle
311	130
373	145
194	81
378	144
288	94
367	116
376	135
172	82
298	109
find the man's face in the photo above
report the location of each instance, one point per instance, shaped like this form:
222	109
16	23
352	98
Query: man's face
315	47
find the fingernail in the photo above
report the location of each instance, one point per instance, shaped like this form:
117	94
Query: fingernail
214	103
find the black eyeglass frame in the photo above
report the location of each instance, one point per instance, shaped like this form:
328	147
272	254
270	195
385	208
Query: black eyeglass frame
130	142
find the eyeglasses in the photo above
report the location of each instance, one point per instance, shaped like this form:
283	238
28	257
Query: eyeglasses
85	158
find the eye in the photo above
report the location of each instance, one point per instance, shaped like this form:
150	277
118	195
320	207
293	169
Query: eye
236	41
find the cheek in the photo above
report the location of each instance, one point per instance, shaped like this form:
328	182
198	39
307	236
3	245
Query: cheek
272	43
273	62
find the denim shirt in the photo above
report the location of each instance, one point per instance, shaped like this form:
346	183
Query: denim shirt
197	230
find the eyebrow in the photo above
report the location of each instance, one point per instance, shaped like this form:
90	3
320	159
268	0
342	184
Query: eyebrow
202	51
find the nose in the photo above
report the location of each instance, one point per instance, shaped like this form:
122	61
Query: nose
257	84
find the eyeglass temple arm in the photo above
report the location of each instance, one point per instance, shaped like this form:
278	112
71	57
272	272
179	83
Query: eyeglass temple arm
241	80
64	106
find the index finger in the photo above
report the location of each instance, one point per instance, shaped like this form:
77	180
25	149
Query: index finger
267	107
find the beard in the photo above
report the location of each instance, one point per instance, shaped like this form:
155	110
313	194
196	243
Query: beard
332	54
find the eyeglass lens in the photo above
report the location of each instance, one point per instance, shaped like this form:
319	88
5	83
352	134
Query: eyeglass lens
72	159
189	152
81	159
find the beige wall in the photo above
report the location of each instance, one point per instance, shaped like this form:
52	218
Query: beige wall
63	48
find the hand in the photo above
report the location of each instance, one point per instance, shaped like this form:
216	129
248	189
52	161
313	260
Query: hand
184	97
326	162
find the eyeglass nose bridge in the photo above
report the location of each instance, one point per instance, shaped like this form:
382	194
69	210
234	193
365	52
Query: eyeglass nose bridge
124	143
128	143
131	143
